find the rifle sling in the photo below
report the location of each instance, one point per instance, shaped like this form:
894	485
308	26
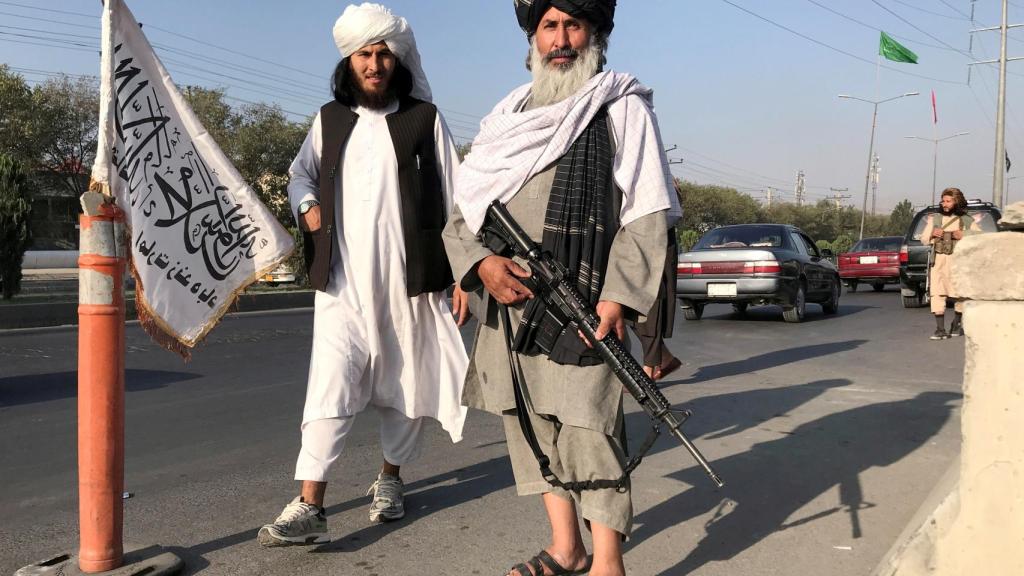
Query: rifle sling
523	414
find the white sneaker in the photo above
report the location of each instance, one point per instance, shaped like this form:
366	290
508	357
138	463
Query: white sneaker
299	524
388	498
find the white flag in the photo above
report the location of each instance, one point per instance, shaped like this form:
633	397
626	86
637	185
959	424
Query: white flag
199	234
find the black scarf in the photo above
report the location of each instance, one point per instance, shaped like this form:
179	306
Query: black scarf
579	225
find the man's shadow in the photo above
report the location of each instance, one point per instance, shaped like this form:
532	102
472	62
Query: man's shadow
765	361
770	482
722	415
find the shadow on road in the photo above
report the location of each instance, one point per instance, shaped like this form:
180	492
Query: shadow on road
722	415
724	313
767	484
423	498
766	360
28	389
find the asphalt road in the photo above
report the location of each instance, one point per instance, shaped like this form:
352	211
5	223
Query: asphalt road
829	435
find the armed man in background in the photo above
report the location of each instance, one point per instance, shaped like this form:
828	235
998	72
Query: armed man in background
943	230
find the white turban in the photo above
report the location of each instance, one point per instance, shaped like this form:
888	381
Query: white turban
367	24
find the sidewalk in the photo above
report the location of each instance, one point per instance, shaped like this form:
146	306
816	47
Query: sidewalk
49	297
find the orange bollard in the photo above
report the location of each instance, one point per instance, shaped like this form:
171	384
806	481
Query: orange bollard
101	313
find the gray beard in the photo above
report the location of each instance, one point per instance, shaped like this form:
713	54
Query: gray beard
554	84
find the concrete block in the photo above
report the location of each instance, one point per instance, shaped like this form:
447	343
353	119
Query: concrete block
988	536
1013	214
988	267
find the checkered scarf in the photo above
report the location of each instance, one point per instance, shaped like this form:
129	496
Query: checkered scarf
576	233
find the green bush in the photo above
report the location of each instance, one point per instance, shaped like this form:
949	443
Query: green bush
15	214
842	244
687	238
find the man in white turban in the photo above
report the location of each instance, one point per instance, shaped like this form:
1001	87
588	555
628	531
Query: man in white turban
371	189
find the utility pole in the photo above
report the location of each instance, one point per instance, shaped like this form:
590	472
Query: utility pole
874	183
837	197
799	188
998	172
769	193
871	148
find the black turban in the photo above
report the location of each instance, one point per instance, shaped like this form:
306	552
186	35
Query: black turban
599	13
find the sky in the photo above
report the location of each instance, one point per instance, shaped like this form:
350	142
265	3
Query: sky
746	91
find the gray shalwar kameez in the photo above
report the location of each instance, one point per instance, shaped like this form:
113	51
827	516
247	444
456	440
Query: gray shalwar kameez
585	401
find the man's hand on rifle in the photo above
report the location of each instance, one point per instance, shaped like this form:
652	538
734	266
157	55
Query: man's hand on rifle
500	276
610	314
937	233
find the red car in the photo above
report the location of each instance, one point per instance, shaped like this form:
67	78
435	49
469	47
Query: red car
874	261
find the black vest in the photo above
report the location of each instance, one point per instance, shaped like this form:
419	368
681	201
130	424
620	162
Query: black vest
423	207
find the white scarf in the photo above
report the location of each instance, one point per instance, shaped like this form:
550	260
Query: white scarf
514	146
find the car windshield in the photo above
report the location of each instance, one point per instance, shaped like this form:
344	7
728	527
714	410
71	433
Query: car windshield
741	237
891	244
983	218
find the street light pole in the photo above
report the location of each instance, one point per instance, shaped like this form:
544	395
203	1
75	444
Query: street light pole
935	155
867	179
871	148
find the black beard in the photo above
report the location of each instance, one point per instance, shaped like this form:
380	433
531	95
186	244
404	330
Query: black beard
947	212
373	101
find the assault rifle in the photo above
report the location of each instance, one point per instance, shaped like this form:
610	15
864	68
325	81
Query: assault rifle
550	281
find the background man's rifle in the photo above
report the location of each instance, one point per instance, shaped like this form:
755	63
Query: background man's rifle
551	282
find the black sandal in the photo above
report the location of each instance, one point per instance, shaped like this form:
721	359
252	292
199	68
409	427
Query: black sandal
542	560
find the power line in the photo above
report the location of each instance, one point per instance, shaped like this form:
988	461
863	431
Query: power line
875	28
48	9
921	30
833	48
926	11
49	21
954	9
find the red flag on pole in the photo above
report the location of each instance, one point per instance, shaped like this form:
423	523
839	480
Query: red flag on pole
935	113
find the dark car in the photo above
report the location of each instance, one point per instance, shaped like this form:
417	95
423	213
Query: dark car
757	264
914	254
874	261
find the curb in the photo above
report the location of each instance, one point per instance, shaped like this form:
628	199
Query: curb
50	314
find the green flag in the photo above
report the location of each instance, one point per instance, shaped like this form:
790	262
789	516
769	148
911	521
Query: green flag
893	50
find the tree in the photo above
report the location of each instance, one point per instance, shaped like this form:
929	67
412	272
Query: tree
15	213
258	139
687	238
842	244
900	218
66	114
264	144
463	149
706	207
16	121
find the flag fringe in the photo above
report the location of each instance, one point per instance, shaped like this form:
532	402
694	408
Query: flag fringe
160	332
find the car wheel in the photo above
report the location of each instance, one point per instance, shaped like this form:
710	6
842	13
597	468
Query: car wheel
851	286
740	307
878	286
796	312
831	306
694	312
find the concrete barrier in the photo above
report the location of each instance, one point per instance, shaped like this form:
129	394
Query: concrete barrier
977	527
36	259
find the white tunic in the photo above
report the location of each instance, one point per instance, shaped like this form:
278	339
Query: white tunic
372	343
